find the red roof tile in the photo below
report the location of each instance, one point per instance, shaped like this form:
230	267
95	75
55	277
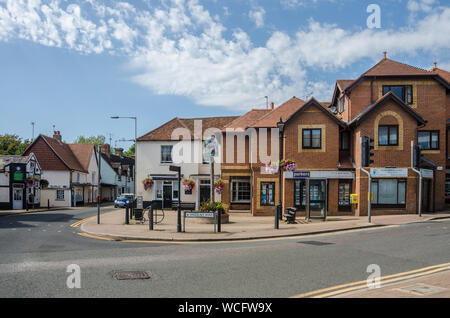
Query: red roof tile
388	67
248	119
442	73
284	111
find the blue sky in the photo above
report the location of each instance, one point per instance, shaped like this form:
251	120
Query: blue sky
73	64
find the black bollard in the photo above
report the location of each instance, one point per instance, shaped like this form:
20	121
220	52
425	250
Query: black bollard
127	220
150	218
219	222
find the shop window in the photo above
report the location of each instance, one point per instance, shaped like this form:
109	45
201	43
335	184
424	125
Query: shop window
428	139
159	190
404	92
175	190
59	195
388	135
166	154
312	138
300	194
267	193
345	189
389	193
240	191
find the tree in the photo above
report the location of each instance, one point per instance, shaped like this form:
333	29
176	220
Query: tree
12	145
99	140
129	152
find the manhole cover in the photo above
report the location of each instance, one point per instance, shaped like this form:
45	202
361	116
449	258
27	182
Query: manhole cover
422	289
131	275
317	243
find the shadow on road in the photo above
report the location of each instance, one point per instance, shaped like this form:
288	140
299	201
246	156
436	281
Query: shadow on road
20	221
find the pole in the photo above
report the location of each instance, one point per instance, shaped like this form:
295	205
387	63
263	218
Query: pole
150	217
212	180
280	180
179	202
369	199
99	185
135	156
127	219
419	204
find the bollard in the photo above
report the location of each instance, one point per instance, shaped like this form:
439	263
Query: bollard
127	220
150	218
219	222
48	204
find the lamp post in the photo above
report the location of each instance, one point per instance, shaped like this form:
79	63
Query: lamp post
278	212
135	148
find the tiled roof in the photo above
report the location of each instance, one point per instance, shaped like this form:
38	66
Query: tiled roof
63	151
442	73
388	96
7	159
284	111
388	67
313	102
344	83
83	152
164	132
248	119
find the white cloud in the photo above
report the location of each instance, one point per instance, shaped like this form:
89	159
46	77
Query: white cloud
179	48
257	15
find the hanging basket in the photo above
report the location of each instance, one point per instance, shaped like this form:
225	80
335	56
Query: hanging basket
147	183
218	186
288	165
188	184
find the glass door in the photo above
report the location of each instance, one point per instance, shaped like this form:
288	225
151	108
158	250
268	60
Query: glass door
317	198
167	195
17	198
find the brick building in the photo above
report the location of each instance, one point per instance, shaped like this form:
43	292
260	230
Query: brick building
392	103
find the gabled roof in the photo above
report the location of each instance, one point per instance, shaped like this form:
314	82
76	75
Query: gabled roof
344	83
387	97
83	152
283	111
164	132
8	159
442	73
314	103
55	149
248	119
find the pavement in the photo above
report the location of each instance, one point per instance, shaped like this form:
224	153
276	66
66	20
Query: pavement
240	227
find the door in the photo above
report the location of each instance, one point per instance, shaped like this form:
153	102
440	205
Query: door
167	196
17	198
317	198
205	191
426	196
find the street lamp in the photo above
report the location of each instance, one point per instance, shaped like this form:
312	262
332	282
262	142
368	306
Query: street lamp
135	148
278	212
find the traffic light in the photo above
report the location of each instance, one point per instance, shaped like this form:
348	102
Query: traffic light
367	151
418	158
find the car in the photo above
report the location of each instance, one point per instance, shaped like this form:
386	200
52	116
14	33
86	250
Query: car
123	200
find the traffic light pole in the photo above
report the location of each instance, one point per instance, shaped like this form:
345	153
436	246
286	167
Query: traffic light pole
369	204
419	205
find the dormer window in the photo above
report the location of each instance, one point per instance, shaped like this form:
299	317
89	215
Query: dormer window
404	92
341	105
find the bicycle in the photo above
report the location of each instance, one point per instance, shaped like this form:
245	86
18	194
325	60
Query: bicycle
157	219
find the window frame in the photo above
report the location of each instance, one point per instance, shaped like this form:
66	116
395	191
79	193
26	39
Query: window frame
267	184
171	149
430	139
300	186
58	198
404	94
388	135
397	205
345	207
235	196
310	138
341	105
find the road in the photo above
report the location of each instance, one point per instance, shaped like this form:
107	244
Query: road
37	248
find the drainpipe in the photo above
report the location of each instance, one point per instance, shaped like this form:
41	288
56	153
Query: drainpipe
419	205
369	204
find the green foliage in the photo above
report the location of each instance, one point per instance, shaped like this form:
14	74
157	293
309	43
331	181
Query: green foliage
99	140
12	145
129	152
209	206
44	183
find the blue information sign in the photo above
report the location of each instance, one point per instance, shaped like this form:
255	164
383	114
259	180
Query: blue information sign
301	174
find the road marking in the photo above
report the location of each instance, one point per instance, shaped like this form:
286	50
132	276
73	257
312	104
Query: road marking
95	237
76	224
340	289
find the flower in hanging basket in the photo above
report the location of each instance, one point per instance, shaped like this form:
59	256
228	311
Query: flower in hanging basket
148	183
188	184
288	165
272	167
218	186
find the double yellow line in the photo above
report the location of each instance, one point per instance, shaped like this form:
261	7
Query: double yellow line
76	224
345	288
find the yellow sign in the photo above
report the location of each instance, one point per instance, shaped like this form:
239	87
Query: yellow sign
354	198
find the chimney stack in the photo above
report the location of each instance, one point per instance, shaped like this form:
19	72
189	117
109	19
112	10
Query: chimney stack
118	152
57	135
105	149
271	105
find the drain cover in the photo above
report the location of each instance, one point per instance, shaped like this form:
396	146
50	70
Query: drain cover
317	243
131	275
422	289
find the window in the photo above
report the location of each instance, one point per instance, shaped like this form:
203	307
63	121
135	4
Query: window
388	135
78	177
345	140
267	193
175	190
300	194
159	190
345	189
59	195
428	139
166	154
341	105
404	92
312	138
240	191
389	193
